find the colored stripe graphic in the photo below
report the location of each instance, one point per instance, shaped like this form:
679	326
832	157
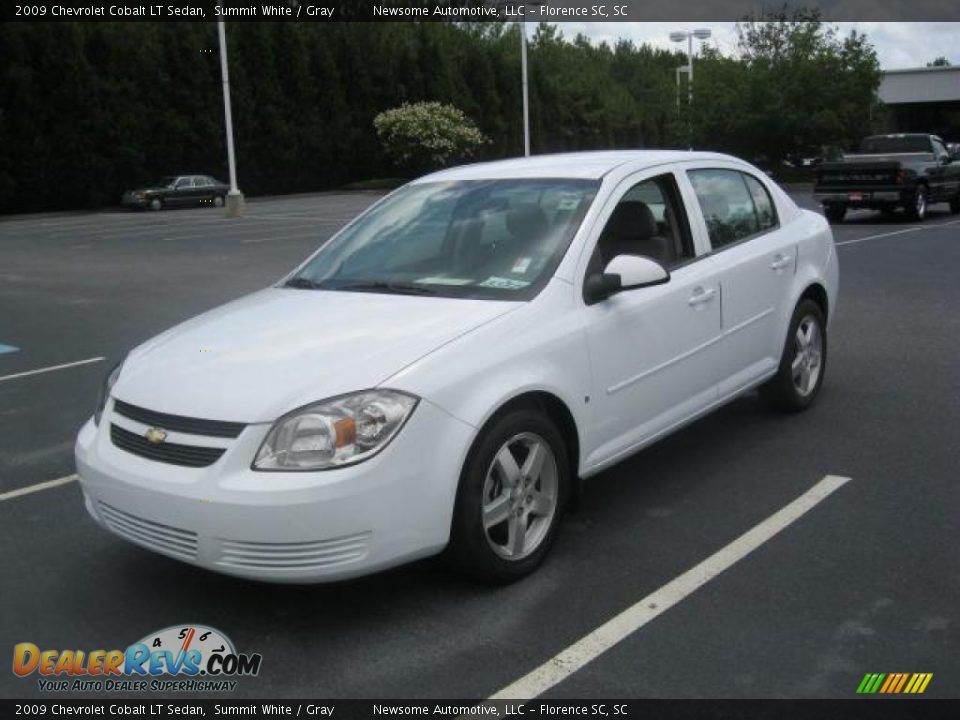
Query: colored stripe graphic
894	683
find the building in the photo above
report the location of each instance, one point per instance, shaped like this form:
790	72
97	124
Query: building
923	100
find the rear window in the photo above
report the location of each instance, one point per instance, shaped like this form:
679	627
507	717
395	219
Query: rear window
883	145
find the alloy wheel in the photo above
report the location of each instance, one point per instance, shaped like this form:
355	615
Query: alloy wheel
519	498
808	356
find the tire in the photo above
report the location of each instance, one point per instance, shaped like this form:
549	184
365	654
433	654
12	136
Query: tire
218	201
155	204
917	209
510	538
955	205
802	366
835	212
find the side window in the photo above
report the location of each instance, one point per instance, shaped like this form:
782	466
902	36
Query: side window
183	183
648	220
939	150
727	205
762	202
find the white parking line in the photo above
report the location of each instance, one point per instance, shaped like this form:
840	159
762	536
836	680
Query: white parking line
20	492
38	371
916	228
591	646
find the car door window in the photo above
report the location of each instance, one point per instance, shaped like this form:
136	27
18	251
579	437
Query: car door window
762	203
939	150
648	220
183	183
727	205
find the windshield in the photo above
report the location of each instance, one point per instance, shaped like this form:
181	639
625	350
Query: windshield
892	144
166	181
478	238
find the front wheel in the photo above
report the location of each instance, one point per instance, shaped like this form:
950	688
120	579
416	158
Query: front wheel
835	212
917	209
512	493
802	363
155	204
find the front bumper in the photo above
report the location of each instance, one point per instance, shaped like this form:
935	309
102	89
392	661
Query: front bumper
134	200
281	526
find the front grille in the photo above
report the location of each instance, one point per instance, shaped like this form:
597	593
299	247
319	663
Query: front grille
154	535
295	555
172	453
178	423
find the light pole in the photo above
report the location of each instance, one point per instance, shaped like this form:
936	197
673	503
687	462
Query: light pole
523	64
680	36
235	202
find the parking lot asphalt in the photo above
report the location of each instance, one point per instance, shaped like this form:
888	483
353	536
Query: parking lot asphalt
867	581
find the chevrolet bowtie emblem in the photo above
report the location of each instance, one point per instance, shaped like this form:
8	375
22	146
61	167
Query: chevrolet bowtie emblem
155	436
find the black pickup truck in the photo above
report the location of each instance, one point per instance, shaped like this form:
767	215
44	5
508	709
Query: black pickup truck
909	171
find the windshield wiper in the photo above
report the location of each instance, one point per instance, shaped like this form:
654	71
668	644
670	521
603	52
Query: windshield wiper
396	288
301	282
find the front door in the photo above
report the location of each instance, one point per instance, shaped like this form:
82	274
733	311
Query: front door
653	350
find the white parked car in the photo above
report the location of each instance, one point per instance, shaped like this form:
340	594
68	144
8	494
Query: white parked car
443	372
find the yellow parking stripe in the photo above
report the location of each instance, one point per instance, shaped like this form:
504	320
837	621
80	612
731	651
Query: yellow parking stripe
926	681
914	681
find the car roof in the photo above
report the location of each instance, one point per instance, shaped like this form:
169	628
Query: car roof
587	165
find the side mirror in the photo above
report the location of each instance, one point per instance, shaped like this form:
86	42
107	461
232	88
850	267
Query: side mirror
624	272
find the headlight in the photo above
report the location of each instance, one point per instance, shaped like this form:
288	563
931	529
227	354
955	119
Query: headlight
332	433
105	388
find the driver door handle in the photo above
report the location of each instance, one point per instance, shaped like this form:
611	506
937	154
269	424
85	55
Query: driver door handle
781	261
700	296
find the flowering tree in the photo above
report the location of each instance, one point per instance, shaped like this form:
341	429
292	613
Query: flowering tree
425	136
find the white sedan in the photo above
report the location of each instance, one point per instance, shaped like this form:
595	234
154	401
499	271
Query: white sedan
443	372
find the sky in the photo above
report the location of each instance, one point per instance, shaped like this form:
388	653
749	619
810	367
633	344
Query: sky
898	44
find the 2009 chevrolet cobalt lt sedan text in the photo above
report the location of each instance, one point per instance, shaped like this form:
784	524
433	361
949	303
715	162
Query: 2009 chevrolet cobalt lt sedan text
442	372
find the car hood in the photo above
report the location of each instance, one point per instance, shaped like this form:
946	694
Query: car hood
263	355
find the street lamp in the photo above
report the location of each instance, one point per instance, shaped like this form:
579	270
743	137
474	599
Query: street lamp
234	204
680	36
523	66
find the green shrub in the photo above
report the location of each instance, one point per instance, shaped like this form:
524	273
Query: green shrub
425	136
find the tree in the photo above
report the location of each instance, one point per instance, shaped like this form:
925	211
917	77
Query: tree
939	62
795	85
427	135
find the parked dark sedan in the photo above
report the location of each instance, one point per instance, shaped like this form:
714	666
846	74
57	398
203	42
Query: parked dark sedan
177	191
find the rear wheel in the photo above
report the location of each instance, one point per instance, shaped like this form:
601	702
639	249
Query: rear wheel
917	209
218	201
803	362
511	497
835	212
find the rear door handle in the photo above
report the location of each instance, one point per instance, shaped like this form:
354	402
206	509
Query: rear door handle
781	261
700	296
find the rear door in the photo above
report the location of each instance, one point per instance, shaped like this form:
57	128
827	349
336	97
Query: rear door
756	259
